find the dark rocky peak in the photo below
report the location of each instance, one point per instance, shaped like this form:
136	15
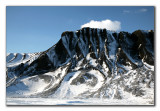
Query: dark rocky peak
96	41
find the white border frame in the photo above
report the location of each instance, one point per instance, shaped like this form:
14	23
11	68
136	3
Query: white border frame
4	3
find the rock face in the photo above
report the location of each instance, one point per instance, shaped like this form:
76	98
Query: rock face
100	62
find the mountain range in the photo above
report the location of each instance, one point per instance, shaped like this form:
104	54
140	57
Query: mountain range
87	63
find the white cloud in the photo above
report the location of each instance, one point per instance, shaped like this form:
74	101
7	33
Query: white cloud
143	10
104	24
126	11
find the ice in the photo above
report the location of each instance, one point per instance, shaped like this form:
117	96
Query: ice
93	101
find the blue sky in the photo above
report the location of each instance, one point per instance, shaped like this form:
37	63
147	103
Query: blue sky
37	28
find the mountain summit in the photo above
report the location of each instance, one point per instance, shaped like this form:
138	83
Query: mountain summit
87	63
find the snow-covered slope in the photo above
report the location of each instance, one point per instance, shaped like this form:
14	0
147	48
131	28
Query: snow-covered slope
87	63
14	59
